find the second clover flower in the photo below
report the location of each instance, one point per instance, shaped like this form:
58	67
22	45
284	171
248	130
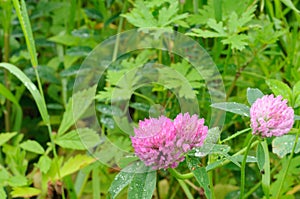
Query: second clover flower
162	143
271	116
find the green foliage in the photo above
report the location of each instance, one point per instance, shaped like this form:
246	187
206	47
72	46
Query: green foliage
74	110
253	94
200	174
232	26
155	14
254	44
25	192
283	145
32	146
79	139
4	137
141	181
233	107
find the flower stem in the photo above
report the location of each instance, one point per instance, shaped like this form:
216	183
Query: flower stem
266	175
237	153
180	176
185	189
243	166
259	183
235	135
277	195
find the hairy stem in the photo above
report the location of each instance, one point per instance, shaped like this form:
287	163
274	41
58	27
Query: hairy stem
243	166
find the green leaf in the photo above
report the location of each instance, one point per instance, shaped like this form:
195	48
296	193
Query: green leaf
218	28
4	137
44	163
32	89
200	174
296	117
25	192
27	30
283	145
32	146
17	181
67	40
141	181
171	79
96	183
142	184
233	107
4	176
79	139
141	16
260	155
120	182
76	108
123	179
144	14
74	164
140	106
238	42
290	4
253	94
2	193
209	145
109	110
19	113
280	88
168	15
285	177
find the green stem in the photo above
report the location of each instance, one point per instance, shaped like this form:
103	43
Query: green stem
180	176
170	188
115	53
237	153
243	166
259	183
287	167
235	135
174	192
185	189
266	168
211	177
144	97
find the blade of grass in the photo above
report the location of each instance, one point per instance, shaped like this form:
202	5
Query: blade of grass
96	183
32	89
25	24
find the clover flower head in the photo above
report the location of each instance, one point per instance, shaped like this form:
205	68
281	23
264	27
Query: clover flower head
271	116
162	143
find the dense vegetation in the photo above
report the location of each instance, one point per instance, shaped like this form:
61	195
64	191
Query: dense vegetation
77	76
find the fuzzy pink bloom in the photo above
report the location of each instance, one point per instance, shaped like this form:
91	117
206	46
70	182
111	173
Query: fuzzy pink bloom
161	143
271	116
191	131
